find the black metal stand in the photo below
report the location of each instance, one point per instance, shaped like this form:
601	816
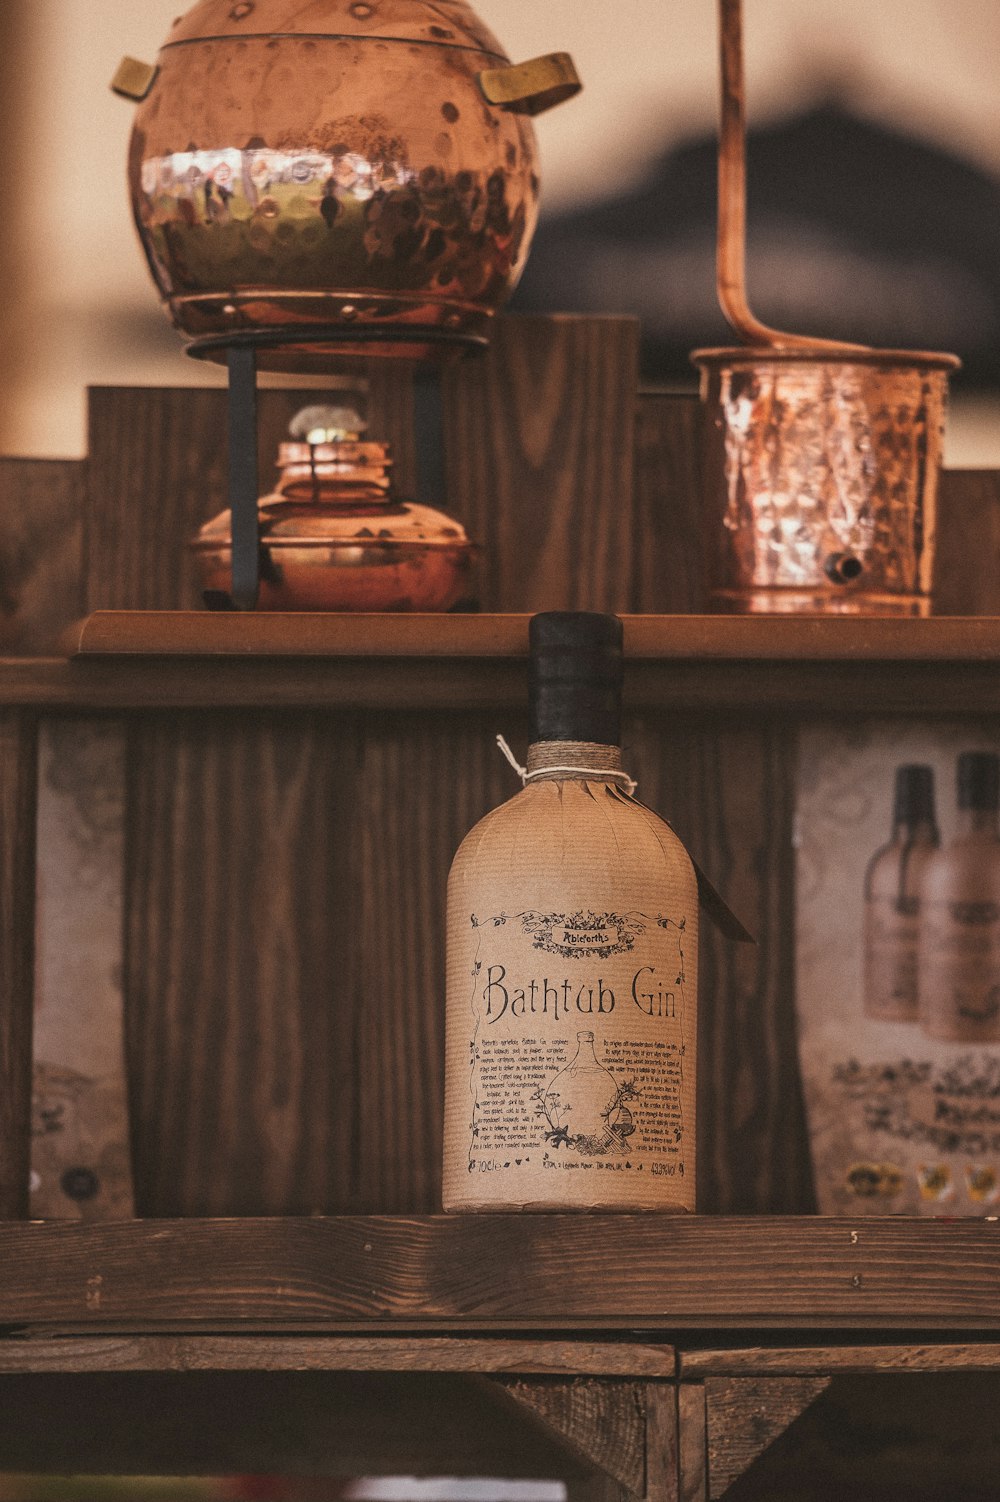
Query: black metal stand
240	348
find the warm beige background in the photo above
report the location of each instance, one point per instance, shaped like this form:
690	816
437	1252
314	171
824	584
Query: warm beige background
649	70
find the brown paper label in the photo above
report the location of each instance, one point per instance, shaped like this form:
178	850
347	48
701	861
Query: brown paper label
578	1064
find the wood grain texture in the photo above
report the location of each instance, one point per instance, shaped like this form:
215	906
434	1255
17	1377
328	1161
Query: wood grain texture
284	956
601	1422
669	518
851	1360
18	802
728	790
486	1272
268	1424
539	460
968	543
746	1415
157	471
41	562
662	1443
381	1353
692	1434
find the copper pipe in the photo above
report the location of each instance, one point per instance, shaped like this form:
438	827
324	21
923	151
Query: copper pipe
731	278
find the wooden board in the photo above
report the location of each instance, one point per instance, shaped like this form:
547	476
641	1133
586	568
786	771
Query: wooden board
854	1360
529	1271
41	551
539	461
18	792
331	1353
747	1414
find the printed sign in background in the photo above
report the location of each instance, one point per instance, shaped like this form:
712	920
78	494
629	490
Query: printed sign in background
899	1123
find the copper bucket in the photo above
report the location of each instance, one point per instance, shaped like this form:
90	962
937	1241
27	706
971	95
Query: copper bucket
825	466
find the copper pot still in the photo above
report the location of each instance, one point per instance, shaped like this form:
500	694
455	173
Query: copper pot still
365	164
335	534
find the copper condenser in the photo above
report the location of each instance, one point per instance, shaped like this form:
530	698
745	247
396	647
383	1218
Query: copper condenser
823	457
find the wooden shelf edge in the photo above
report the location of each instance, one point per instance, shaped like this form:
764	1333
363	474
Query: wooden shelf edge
480	1273
793	638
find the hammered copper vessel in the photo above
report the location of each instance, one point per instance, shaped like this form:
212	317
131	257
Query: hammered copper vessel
334	535
823	458
367	164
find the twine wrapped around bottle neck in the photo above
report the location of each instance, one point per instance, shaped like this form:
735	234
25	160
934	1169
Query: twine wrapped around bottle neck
557	761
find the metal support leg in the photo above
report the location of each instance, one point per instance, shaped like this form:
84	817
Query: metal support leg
243	482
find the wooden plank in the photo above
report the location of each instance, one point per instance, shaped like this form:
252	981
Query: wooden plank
693	1442
492	1271
269	1424
18	795
285	945
728	789
295	1353
968	543
41	563
847	1360
157	470
669	569
539	460
811	641
747	1414
602	1422
662	1443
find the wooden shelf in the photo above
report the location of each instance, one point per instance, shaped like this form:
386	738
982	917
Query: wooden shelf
485	1273
183	659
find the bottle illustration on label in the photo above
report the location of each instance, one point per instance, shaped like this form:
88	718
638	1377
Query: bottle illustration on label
572	1108
959	949
892	907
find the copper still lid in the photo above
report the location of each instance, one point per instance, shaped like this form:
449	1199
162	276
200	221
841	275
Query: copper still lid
361	168
446	22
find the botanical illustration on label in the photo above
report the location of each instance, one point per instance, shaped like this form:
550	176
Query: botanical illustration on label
578	1043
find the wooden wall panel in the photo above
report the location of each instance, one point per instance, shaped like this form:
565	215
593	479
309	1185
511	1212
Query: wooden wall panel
41	537
728	790
18	789
539	457
668	568
284	967
966	577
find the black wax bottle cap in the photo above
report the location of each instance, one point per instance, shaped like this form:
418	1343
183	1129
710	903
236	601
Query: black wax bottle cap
978	780
575	677
914	794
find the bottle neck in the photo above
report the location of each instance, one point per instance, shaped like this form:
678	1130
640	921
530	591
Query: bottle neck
583	761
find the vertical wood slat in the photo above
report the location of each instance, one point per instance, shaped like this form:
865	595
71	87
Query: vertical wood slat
41	543
693	1442
728	790
669	517
18	796
966	581
539	456
284	960
157	471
